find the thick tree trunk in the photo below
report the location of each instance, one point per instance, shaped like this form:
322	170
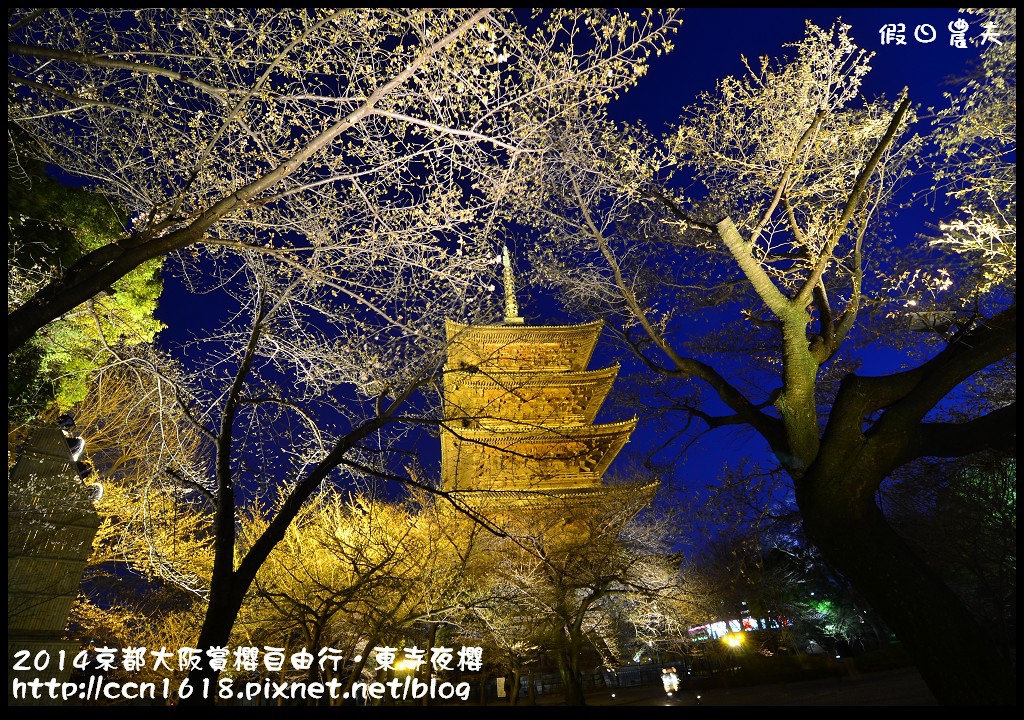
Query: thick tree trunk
220	617
515	681
957	657
572	680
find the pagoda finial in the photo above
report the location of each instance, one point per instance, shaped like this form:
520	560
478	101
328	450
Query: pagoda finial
511	306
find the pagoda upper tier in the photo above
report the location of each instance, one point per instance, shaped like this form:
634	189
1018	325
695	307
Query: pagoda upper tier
552	348
520	408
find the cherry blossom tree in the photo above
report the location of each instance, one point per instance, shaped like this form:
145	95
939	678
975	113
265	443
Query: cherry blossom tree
744	259
315	137
325	182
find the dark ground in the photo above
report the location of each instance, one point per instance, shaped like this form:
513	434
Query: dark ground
901	687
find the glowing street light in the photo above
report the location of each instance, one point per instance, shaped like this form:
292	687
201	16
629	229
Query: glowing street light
734	640
406	664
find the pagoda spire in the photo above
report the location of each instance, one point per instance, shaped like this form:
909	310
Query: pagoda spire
511	306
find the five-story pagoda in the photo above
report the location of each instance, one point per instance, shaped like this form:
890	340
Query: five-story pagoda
520	408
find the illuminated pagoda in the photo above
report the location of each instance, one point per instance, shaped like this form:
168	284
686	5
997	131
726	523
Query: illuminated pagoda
520	408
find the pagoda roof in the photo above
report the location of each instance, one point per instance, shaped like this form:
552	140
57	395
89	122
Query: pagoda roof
513	433
539	397
487	501
522	347
511	455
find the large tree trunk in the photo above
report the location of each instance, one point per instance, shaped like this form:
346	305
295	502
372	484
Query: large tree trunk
572	680
516	681
216	632
957	657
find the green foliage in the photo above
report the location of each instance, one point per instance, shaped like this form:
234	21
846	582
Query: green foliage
50	226
25	381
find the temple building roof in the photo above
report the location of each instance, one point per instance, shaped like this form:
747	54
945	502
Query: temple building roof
486	501
519	456
541	397
521	347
